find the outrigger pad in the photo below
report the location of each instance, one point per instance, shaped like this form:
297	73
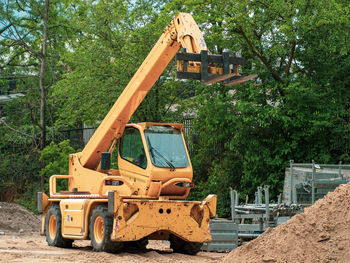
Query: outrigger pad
210	68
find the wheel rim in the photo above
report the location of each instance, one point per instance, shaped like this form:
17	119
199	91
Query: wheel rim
52	227
99	229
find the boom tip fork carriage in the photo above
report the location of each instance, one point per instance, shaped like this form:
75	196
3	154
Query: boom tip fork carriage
211	69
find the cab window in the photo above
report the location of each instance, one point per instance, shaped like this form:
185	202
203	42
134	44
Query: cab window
131	148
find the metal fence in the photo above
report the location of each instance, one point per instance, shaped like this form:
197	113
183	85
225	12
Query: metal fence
248	220
78	137
224	234
307	182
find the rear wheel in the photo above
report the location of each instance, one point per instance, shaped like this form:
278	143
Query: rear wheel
53	228
181	246
101	226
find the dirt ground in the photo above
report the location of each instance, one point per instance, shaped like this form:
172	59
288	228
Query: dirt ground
20	242
33	248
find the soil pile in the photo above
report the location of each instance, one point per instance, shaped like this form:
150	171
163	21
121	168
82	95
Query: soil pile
15	218
320	234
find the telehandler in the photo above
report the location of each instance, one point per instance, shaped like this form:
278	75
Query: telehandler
144	198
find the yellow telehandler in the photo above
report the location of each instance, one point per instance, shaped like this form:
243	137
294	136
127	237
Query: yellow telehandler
144	198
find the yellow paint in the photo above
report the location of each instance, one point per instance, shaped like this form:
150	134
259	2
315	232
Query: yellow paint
171	217
99	229
52	226
72	211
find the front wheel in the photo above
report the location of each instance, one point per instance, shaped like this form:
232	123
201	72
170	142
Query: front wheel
53	228
101	226
181	246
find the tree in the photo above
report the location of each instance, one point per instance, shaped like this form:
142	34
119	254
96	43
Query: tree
115	38
298	109
31	38
27	57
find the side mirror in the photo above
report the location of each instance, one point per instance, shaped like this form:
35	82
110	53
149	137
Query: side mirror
105	161
195	138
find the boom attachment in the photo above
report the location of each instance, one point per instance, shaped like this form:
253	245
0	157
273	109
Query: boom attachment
210	68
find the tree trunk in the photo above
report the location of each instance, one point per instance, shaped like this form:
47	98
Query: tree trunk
41	80
42	87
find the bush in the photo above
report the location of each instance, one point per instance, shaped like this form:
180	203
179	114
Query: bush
55	158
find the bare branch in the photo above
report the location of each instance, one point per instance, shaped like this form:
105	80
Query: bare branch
20	7
17	131
268	7
19	35
19	77
173	100
258	36
23	65
291	55
12	59
260	56
2	30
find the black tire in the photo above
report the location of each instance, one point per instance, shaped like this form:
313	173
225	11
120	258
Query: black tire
103	243
192	248
54	234
138	245
181	246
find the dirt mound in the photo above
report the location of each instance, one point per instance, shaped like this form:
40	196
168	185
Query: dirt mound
320	234
15	218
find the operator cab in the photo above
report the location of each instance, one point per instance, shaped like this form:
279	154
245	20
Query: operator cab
152	154
165	146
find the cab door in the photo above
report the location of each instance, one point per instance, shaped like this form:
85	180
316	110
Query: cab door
132	160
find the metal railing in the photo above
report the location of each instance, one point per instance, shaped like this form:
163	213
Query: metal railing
316	180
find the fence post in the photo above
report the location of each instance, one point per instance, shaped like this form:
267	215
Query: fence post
236	198
313	183
259	195
279	199
267	204
339	170
233	208
291	162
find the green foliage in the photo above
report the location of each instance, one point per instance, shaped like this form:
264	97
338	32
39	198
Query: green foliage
18	171
55	158
19	180
29	198
299	107
117	38
247	139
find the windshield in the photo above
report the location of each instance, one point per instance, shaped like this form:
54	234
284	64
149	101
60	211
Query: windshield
166	147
